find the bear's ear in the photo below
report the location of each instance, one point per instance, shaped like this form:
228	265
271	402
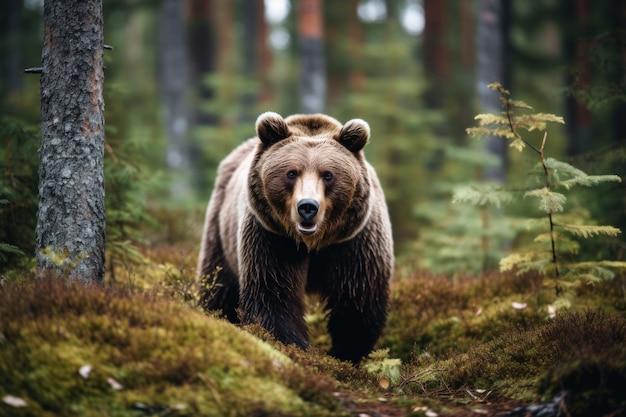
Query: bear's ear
354	135
271	128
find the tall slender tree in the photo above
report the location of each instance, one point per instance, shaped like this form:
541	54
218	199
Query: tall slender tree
435	57
201	57
10	28
579	118
356	33
312	62
173	76
70	233
491	50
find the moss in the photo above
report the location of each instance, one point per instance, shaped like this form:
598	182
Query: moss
435	314
163	353
441	316
589	352
581	353
454	338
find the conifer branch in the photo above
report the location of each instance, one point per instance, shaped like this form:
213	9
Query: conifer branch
552	175
508	110
509	116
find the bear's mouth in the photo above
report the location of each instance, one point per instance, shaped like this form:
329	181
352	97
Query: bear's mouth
307	228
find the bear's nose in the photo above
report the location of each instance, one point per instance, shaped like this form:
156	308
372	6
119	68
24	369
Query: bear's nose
307	208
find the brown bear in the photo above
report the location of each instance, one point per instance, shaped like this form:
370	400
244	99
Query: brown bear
295	210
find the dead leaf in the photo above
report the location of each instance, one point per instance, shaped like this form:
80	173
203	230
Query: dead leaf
85	370
13	401
114	384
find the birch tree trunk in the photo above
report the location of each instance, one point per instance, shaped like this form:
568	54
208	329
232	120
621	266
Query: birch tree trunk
70	232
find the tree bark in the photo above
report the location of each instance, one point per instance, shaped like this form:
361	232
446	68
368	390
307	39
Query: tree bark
70	233
312	62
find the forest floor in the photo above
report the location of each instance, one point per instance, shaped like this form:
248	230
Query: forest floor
453	347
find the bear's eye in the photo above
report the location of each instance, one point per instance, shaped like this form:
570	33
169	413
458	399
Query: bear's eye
327	176
292	174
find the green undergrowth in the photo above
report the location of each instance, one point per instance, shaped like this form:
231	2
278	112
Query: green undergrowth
141	354
144	348
582	354
482	340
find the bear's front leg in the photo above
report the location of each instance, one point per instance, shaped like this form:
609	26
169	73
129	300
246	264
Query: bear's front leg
273	277
354	278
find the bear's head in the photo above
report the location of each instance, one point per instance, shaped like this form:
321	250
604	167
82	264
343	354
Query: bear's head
309	179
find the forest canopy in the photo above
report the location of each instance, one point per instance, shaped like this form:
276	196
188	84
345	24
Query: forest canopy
184	82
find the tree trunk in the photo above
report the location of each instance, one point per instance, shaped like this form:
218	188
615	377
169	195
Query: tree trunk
435	52
70	233
491	49
312	63
264	59
618	21
251	55
201	40
357	76
201	61
579	118
173	77
10	28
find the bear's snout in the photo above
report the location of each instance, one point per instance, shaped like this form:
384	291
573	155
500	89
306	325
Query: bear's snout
307	208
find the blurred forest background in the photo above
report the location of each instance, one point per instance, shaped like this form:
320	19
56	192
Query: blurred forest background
186	79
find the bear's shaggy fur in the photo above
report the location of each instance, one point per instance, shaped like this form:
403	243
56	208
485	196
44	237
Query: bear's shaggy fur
294	210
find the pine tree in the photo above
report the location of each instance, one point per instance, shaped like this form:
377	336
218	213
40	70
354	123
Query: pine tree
462	239
402	144
554	247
